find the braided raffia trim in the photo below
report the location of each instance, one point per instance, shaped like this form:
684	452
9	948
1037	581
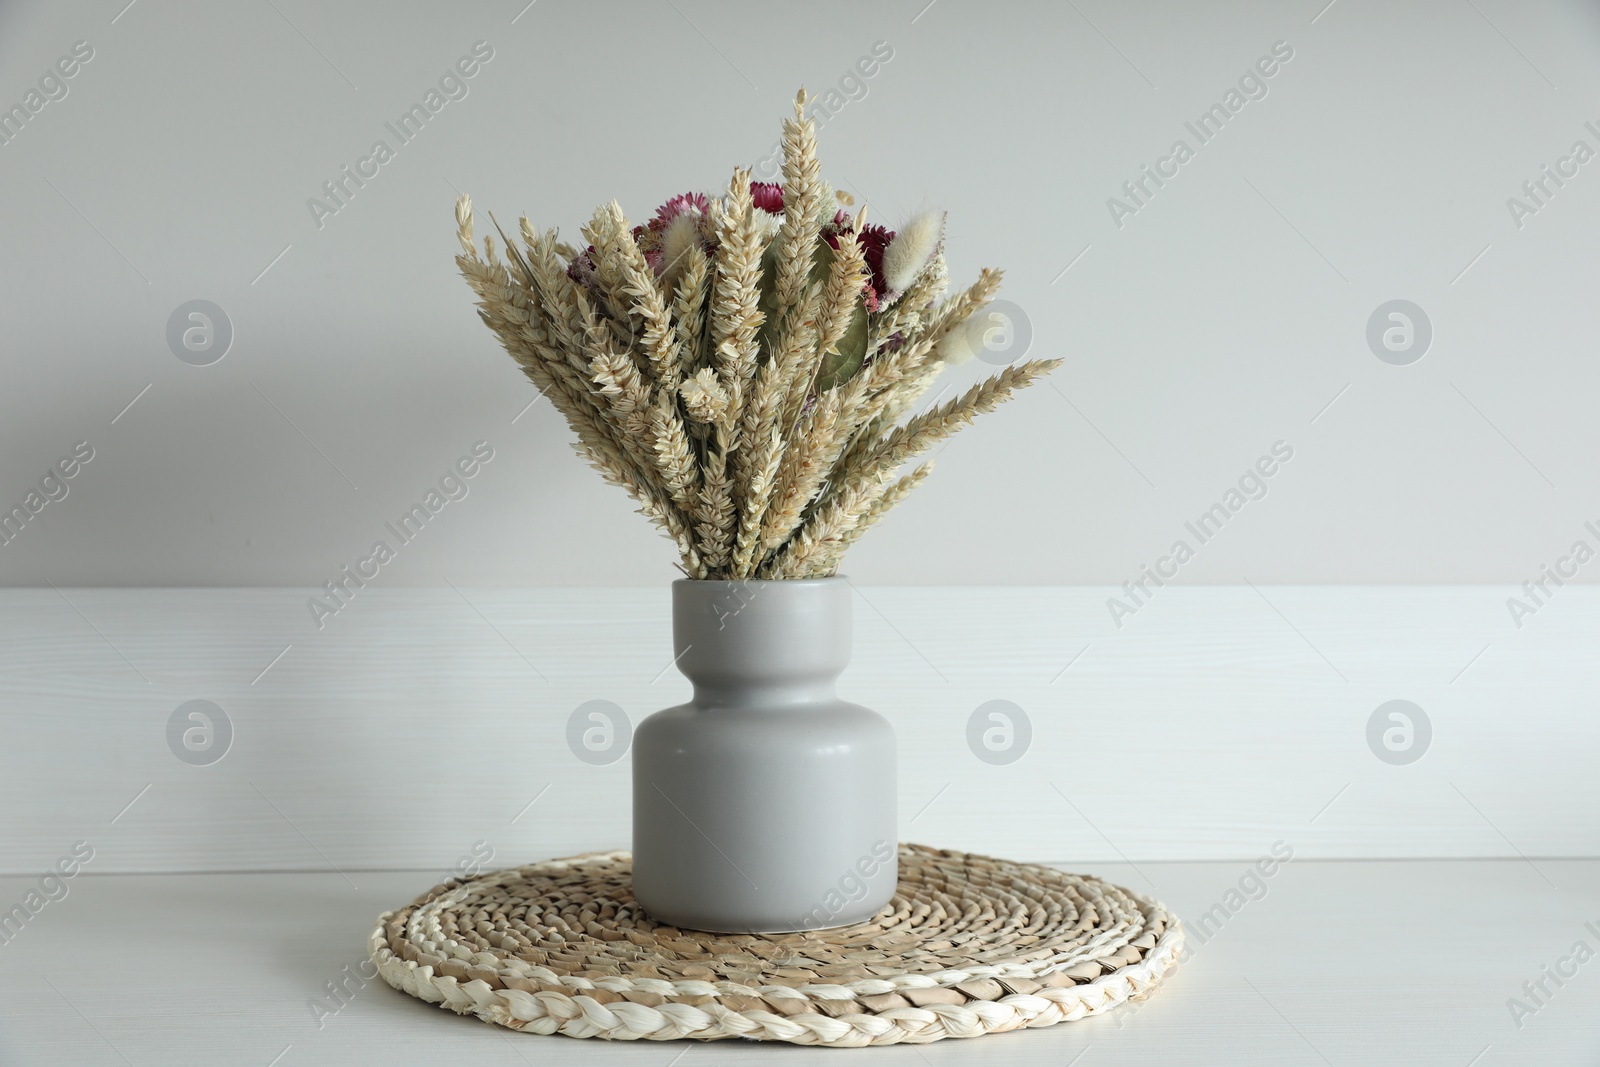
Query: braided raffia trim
576	1006
549	1012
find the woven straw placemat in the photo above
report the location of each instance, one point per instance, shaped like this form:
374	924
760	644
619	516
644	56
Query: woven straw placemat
969	945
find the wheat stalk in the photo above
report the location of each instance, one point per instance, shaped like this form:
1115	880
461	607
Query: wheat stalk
895	493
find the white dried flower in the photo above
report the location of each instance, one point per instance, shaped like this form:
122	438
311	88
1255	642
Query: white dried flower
682	235
954	348
914	246
768	225
704	398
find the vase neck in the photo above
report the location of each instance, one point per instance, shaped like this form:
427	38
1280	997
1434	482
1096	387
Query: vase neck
764	697
762	644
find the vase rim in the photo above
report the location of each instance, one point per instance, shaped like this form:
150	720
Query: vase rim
830	580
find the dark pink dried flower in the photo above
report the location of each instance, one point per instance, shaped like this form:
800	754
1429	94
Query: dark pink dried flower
874	239
678	205
768	196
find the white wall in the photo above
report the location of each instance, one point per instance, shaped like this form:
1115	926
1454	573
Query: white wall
1222	317
1227	314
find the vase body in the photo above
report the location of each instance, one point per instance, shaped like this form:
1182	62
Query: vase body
765	804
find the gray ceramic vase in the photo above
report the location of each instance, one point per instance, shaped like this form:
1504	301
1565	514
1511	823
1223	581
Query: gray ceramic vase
765	804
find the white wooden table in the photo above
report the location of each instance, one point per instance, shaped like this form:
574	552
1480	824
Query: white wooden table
1355	962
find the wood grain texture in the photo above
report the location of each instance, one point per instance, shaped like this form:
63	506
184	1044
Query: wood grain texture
419	723
1343	963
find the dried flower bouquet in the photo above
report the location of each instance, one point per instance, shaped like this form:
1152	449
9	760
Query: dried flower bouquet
742	364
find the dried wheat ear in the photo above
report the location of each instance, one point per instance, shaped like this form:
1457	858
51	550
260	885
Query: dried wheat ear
744	365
